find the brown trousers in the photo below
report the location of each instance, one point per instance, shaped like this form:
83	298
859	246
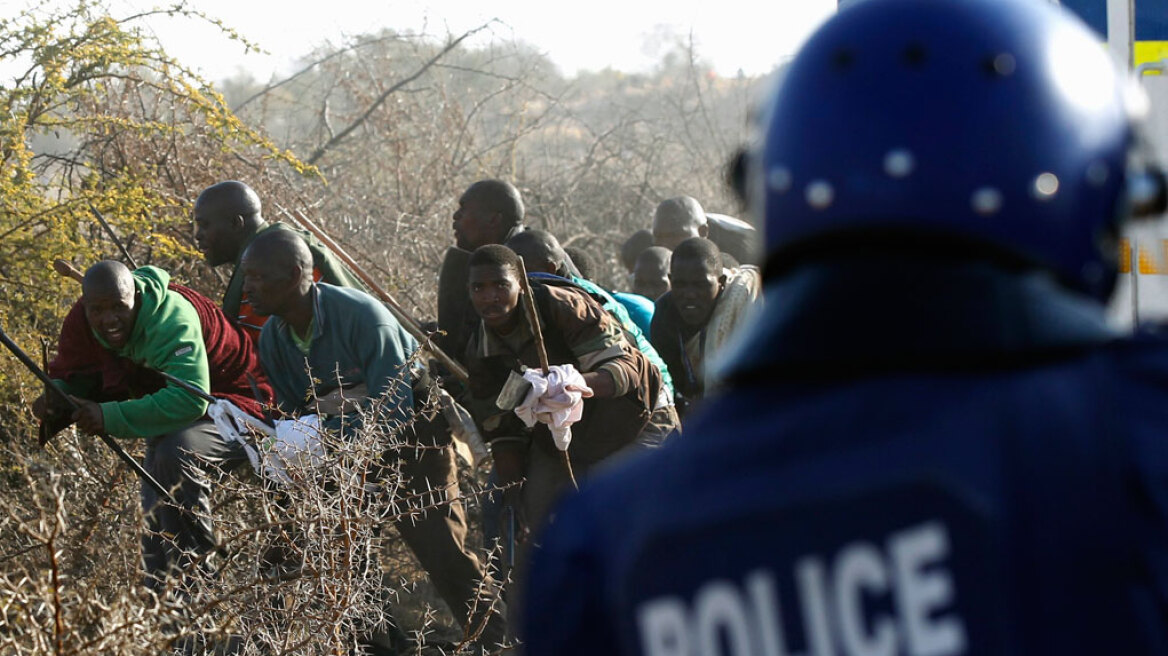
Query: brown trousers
437	535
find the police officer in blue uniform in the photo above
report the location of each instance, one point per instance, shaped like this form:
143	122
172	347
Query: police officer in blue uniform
931	442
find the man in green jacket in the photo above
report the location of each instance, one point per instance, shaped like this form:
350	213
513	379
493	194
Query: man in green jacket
126	329
228	216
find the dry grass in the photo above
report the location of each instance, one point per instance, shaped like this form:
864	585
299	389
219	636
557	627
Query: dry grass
71	579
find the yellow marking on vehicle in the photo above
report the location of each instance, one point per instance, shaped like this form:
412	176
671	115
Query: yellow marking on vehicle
1146	52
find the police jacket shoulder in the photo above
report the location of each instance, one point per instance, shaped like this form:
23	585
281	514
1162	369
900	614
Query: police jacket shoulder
1020	476
1046	486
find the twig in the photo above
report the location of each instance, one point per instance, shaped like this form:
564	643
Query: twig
388	92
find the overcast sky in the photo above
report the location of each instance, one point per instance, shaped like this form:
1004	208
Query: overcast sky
590	34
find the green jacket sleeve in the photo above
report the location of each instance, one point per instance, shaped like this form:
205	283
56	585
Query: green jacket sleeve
173	343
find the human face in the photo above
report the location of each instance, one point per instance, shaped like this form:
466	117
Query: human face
218	233
112	314
650	280
474	224
695	290
269	288
494	293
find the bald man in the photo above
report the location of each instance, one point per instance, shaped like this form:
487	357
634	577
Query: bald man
489	212
127	327
321	338
227	217
682	217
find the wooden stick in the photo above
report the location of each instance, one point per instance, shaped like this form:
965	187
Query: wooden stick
65	269
109	441
43	435
406	320
540	348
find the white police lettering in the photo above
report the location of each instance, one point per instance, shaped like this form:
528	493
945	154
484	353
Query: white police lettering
664	631
813	592
728	619
859	568
920	593
721	619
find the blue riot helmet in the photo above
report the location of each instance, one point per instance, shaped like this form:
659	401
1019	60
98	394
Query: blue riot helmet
1000	125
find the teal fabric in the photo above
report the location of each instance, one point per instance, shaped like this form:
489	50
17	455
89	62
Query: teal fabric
640	309
641	340
355	340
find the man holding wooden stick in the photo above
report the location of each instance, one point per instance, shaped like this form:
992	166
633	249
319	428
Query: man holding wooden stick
322	339
127	327
576	331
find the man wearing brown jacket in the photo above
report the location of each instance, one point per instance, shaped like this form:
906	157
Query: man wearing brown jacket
577	330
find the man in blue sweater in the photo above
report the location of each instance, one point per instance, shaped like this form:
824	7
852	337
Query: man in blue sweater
323	344
931	441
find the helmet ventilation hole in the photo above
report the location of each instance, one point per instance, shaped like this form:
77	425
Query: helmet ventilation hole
986	201
1046	186
899	163
820	194
779	179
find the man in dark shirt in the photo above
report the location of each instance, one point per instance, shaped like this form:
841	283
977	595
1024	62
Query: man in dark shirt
489	212
698	315
228	216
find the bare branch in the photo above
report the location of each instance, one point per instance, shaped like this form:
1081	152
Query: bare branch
388	92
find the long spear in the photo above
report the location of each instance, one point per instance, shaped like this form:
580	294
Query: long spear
404	317
540	348
110	442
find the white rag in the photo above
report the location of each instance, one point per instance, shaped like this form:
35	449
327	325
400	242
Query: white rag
231	422
297	443
291	442
556	400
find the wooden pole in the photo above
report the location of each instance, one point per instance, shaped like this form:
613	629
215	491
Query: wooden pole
109	441
540	348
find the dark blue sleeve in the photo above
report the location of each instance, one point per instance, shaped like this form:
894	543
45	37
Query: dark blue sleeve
1143	413
565	609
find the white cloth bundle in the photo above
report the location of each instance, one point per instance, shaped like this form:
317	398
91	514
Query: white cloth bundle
556	400
290	443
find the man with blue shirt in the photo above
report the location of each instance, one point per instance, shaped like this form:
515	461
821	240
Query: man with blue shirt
933	443
323	343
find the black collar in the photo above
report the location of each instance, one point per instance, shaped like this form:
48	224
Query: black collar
858	316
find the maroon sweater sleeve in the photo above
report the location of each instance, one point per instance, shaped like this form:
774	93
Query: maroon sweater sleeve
231	356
